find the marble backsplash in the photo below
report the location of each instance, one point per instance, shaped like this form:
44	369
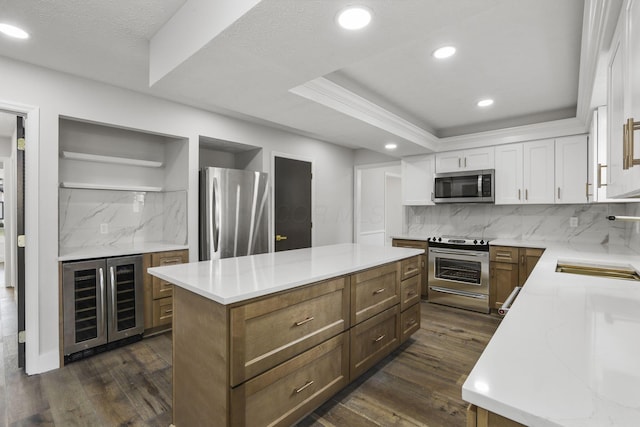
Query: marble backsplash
527	222
130	217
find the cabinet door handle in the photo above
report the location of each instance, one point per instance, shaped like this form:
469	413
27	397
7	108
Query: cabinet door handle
307	384
465	162
379	291
600	184
307	320
519	194
459	162
380	338
526	194
558	193
522	259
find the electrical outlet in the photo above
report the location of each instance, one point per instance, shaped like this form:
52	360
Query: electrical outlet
104	228
573	222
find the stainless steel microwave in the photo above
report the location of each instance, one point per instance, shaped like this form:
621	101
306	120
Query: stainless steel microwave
465	187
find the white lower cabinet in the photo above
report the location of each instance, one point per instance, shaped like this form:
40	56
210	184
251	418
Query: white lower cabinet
525	173
571	169
417	180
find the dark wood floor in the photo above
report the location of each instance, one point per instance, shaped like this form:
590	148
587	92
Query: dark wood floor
418	385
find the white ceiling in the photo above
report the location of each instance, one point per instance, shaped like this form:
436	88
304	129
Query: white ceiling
257	59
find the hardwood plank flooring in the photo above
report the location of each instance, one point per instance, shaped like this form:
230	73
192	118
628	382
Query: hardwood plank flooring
417	385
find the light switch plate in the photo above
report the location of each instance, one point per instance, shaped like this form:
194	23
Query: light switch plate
573	221
104	228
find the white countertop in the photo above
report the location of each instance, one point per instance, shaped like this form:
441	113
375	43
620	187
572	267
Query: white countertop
568	351
233	280
74	254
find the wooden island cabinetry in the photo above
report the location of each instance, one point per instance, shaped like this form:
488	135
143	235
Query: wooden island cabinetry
270	360
158	293
480	417
417	244
509	267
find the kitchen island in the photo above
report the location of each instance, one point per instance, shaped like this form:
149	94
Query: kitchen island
265	339
567	352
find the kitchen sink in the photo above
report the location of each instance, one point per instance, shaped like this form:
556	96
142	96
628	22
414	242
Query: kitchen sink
599	270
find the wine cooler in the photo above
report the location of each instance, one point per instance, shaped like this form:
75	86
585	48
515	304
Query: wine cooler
102	304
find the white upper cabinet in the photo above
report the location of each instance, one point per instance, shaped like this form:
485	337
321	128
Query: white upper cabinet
539	172
508	175
465	160
525	173
417	180
623	93
571	169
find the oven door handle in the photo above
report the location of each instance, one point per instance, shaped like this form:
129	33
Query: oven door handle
459	293
461	253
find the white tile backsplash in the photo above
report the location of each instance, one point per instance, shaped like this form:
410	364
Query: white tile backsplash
528	222
131	217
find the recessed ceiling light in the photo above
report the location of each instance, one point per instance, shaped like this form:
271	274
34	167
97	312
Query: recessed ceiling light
485	102
391	146
354	18
444	52
13	31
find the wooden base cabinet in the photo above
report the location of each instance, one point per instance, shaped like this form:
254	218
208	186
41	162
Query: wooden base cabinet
509	267
417	244
272	360
158	293
480	417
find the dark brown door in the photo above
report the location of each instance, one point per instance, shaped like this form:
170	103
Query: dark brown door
20	232
292	204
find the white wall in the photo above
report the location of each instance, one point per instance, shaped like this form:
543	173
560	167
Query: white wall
370	199
56	94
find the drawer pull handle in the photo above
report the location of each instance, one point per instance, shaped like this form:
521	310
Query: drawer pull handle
410	294
379	291
307	320
307	384
380	338
169	311
411	322
411	270
504	254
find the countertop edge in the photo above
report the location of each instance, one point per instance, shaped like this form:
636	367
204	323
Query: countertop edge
108	251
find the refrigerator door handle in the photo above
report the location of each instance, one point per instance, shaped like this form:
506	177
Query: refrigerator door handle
102	297
216	208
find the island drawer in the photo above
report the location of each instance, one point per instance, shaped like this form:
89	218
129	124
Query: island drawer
409	322
410	267
374	290
373	339
162	288
271	330
410	292
287	392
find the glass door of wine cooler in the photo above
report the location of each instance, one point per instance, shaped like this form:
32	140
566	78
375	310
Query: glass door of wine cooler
124	297
84	305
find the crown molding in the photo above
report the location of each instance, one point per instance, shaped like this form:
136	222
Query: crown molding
552	129
336	97
600	17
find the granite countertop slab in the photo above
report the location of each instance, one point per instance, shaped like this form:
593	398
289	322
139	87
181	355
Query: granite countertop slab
567	353
103	251
232	280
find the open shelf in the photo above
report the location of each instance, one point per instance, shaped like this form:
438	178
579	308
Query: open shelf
88	186
110	159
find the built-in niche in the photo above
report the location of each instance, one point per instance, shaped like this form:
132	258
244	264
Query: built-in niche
228	154
120	187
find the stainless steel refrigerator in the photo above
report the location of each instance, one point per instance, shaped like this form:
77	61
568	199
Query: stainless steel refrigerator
233	213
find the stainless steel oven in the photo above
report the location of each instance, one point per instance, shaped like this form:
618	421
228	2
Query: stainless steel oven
459	273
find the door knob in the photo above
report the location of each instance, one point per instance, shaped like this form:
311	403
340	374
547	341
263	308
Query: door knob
279	237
